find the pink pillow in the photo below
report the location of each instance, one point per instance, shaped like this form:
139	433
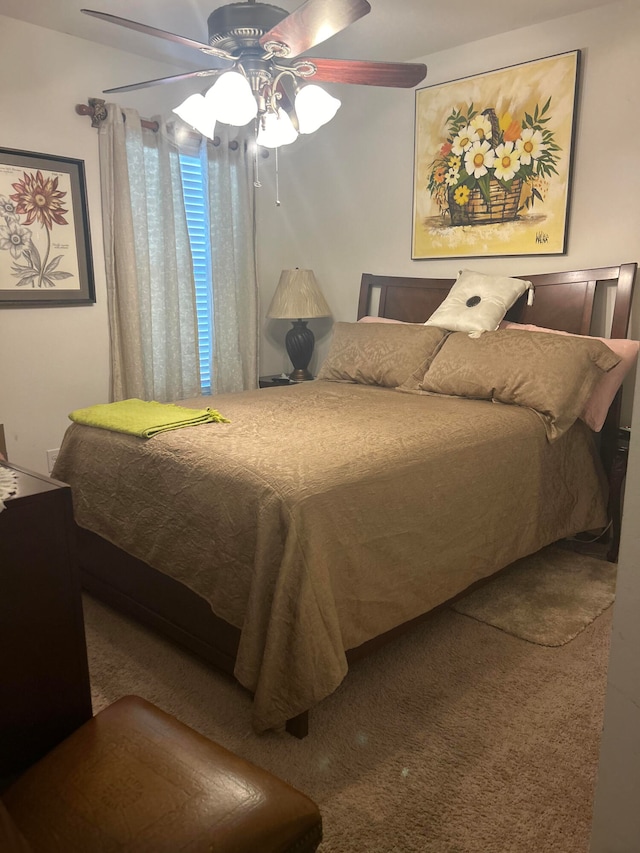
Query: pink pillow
597	406
371	319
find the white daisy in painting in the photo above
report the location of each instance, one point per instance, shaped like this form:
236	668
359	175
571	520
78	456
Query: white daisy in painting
530	145
464	140
479	159
482	126
507	162
452	177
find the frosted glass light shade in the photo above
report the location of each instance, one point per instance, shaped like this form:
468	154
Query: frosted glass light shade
194	111
231	100
276	130
314	107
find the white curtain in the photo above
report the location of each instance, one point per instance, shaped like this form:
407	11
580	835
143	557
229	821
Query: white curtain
233	259
150	289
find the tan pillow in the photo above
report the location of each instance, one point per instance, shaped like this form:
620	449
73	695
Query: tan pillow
379	353
596	408
552	374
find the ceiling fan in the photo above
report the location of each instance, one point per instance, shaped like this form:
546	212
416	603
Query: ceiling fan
262	45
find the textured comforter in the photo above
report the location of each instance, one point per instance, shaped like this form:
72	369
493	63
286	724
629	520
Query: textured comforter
325	514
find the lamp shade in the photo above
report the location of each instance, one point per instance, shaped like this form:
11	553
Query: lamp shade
298	296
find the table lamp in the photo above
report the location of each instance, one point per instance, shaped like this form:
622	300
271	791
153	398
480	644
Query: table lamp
298	298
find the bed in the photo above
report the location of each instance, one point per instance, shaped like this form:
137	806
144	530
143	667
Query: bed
330	515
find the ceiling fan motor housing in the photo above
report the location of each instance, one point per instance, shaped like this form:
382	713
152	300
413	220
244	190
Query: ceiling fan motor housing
239	26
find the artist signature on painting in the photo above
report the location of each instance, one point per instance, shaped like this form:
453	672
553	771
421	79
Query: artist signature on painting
542	237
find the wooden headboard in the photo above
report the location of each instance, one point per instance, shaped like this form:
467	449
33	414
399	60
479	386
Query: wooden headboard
563	301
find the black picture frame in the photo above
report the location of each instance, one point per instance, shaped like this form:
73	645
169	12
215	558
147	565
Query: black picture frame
45	242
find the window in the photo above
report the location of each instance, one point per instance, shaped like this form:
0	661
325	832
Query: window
196	206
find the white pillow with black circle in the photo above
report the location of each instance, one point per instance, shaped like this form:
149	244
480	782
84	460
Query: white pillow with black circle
477	302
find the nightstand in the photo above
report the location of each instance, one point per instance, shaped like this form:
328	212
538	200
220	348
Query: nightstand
274	380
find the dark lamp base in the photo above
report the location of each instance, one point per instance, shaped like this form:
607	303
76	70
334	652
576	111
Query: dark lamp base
299	342
300	376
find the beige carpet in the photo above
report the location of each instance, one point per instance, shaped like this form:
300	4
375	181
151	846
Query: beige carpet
548	598
456	738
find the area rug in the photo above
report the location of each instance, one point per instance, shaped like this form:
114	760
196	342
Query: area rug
547	598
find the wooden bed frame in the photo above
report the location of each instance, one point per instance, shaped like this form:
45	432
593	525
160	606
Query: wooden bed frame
567	301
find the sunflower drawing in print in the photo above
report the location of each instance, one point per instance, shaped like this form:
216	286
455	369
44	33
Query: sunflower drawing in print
492	161
35	232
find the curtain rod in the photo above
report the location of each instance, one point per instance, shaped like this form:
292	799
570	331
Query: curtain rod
96	109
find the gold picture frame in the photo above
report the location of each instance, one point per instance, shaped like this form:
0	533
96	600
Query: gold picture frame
45	246
492	161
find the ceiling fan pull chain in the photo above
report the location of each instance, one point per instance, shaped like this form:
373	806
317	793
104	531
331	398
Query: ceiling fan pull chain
256	159
277	182
256	172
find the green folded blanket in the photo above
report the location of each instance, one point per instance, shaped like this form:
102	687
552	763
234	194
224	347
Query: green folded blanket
143	418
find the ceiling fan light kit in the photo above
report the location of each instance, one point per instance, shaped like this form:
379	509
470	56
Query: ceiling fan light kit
254	50
231	101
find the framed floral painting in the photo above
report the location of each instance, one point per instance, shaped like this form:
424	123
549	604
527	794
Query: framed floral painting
492	164
45	249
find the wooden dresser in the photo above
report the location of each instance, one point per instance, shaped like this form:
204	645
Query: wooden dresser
44	676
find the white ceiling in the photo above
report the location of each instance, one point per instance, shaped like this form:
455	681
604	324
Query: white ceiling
394	30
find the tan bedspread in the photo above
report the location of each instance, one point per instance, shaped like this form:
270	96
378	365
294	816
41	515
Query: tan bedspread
325	514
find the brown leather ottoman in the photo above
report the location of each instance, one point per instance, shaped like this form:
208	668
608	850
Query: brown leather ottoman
136	779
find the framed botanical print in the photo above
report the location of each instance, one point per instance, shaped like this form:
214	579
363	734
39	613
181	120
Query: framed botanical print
492	161
45	248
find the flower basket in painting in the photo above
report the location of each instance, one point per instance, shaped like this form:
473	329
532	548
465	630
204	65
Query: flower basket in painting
502	206
489	167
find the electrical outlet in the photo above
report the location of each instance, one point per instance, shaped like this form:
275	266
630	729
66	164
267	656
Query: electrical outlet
52	455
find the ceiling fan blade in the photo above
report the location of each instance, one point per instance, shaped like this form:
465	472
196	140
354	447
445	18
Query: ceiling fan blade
132	86
363	72
312	23
153	31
